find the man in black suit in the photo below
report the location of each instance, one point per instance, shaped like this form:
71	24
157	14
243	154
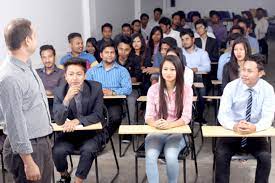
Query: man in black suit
208	44
78	102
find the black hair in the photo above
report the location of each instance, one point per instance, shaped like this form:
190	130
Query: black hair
126	25
237	27
201	21
75	61
188	32
166	21
144	15
134	21
170	41
125	39
259	59
176	14
73	35
214	12
106	25
106	44
47	47
158	9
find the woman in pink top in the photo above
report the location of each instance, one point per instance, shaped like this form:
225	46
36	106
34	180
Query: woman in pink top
169	105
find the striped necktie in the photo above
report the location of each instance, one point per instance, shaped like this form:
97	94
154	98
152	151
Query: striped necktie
247	115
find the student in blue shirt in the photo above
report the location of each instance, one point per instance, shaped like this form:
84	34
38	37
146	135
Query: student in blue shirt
247	106
76	45
115	80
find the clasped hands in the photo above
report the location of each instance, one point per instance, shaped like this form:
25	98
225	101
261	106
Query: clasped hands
162	124
244	127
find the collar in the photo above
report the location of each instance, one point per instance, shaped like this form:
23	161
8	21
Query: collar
115	64
255	88
55	69
166	93
22	65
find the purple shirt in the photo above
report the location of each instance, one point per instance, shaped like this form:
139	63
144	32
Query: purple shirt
220	32
52	80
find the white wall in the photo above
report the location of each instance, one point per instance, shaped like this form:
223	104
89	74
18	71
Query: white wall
53	19
148	6
115	12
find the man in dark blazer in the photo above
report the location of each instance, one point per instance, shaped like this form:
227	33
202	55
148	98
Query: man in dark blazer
78	102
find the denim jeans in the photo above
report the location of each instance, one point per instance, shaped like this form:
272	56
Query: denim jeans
171	145
132	100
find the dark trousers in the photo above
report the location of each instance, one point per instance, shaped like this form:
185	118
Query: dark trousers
228	147
42	156
263	47
87	143
115	109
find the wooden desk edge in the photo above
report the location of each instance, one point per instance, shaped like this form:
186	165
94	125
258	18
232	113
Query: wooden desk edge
124	129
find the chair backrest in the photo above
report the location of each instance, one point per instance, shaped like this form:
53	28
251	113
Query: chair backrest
106	115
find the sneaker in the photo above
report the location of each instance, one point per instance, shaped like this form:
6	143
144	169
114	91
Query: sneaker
64	179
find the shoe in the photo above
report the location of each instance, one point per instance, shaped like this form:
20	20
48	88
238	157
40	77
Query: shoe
64	179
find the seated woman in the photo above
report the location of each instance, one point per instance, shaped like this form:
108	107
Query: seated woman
169	105
78	102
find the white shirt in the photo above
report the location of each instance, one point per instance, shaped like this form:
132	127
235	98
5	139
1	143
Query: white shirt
188	76
261	28
151	24
197	59
203	43
234	103
176	35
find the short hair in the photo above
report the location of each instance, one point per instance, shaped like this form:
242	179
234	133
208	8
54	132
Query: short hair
106	44
233	36
201	21
106	25
165	21
158	9
214	12
91	40
259	59
75	61
244	21
16	32
195	14
182	14
237	27
176	14
46	47
170	41
124	39
187	32
125	25
135	21
237	17
144	15
73	35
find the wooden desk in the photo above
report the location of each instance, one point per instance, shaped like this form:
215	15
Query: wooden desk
212	97
144	99
114	97
96	126
202	73
214	63
136	84
216	82
198	84
50	96
219	131
145	129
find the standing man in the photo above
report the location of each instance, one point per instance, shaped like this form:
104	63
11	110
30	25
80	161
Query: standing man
23	102
247	106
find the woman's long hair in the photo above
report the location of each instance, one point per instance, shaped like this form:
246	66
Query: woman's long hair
163	112
151	42
142	49
234	66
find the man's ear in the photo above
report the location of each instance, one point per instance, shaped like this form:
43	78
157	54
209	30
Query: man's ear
261	73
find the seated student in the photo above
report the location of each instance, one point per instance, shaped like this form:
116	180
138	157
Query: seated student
205	42
106	30
240	52
196	16
145	30
169	105
184	23
91	47
252	41
225	57
133	66
219	29
198	60
50	75
81	102
76	45
166	26
236	19
247	106
177	21
115	80
155	21
126	30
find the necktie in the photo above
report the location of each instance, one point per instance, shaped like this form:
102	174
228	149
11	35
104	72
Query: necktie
247	115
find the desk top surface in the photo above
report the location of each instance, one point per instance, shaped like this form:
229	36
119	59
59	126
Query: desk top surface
219	131
144	98
146	129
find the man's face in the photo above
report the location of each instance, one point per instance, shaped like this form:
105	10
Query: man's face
201	29
236	31
75	75
250	73
243	25
90	48
157	15
107	33
108	55
187	41
123	50
136	27
163	49
48	58
144	21
195	18
176	20
165	28
215	19
76	45
126	31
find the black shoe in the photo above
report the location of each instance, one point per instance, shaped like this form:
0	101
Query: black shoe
64	179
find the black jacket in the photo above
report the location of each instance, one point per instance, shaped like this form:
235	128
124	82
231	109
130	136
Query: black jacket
211	47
